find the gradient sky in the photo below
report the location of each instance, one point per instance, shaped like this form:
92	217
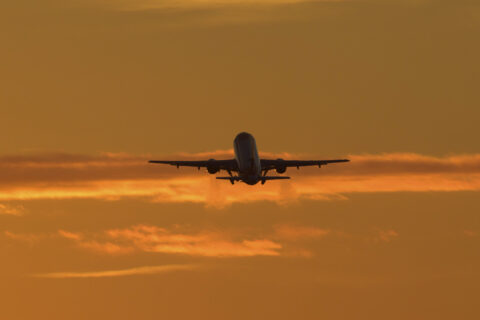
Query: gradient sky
92	89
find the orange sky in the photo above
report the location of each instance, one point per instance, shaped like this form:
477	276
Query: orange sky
91	90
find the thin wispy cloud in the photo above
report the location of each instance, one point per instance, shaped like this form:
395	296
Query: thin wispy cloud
386	235
282	240
12	210
117	176
293	232
130	5
182	13
147	270
470	233
30	238
143	238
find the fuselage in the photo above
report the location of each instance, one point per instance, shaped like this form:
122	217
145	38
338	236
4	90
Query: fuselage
246	155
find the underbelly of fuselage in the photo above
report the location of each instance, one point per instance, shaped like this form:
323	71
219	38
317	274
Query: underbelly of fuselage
246	154
250	179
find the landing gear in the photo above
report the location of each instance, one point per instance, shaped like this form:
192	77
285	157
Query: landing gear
264	174
232	180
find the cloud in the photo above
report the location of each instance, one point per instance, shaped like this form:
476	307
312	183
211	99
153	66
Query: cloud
290	232
470	233
181	240
29	238
175	13
386	235
131	5
11	210
119	273
70	235
145	238
116	176
283	240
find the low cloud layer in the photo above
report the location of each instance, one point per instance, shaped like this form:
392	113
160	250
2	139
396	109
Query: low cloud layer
282	240
118	273
116	176
143	238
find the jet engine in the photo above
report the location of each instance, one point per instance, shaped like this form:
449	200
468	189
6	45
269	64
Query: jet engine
211	167
280	168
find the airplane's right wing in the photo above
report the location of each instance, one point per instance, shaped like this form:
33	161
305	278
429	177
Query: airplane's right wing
283	164
212	165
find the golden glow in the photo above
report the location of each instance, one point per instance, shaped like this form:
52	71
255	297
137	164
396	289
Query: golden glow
112	177
93	89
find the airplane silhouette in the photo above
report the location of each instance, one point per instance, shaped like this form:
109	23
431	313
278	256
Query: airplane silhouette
249	167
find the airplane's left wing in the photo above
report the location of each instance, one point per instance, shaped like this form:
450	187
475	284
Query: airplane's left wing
283	164
211	165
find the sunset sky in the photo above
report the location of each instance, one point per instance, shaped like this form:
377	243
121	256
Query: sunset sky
90	90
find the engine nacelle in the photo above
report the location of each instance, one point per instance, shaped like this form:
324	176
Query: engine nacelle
280	168
211	167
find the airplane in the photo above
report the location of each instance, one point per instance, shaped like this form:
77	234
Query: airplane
249	168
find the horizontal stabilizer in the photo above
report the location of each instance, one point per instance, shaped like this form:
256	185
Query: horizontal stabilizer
264	179
274	178
261	178
230	178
